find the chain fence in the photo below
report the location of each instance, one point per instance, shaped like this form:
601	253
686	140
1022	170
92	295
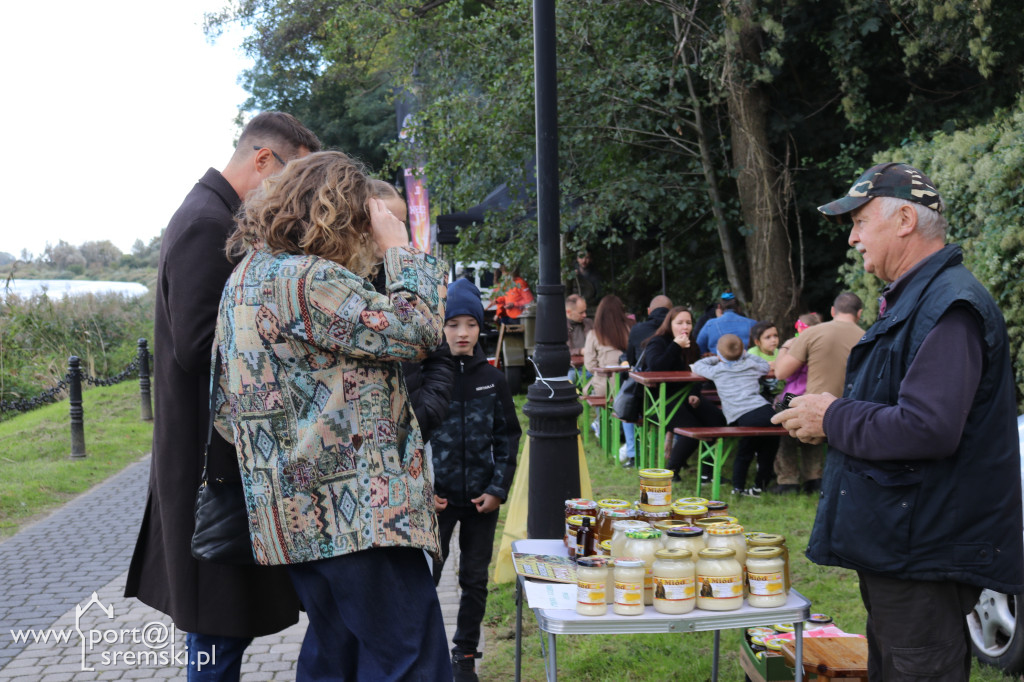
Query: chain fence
59	391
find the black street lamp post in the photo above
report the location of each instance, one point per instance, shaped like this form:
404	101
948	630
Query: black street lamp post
552	404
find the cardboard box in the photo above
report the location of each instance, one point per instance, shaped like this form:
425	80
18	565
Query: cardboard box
768	669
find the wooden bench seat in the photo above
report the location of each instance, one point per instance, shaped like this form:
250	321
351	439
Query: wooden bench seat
717	443
596	401
713	432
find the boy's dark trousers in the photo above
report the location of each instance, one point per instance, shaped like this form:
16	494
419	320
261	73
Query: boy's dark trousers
476	540
763	446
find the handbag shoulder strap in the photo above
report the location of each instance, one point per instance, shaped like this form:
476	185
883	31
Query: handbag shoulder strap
637	366
213	411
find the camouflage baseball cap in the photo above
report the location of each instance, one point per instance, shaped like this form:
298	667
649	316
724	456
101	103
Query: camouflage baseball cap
885	180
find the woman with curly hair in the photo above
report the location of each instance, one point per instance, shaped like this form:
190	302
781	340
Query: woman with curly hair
336	484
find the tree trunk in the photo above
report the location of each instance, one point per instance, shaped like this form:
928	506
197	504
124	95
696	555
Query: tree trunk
762	180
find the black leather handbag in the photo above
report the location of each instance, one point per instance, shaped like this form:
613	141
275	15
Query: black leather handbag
630	398
222	520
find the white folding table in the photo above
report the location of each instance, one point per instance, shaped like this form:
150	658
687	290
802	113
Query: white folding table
567	622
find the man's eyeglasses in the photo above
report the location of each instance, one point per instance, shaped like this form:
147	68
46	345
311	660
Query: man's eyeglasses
280	160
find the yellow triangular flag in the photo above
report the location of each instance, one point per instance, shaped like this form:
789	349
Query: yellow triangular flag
518	505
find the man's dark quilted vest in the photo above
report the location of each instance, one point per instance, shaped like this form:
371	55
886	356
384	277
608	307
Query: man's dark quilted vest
956	518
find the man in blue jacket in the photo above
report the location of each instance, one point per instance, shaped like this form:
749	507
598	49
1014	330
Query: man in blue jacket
729	321
921	493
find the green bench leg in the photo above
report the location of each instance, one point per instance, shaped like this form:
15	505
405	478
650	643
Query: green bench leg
714	452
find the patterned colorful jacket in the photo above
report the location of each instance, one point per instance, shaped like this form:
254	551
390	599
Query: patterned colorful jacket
330	453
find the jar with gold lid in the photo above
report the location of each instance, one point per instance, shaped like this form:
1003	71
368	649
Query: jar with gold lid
765	582
652	518
674	581
656	490
708	521
719	580
609	511
773	540
692	500
729	535
665	525
688	513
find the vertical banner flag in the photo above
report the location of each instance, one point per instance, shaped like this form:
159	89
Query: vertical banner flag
415	190
419	211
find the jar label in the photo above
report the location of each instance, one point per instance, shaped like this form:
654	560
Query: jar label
720	587
629	594
656	495
590	594
674	589
765	584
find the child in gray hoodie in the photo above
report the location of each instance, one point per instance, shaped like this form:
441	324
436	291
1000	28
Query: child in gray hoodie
736	374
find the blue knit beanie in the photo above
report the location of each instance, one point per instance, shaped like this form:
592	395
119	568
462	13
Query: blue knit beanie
464	299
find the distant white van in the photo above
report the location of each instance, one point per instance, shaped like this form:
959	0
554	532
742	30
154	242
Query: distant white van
483	274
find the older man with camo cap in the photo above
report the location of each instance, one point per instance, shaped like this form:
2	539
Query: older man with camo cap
921	493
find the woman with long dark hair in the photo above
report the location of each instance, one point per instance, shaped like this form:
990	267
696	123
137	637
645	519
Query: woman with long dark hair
606	342
671	349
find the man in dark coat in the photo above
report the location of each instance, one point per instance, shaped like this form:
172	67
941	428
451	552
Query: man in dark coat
642	331
222	607
921	493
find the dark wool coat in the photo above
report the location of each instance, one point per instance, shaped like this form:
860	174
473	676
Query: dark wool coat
200	597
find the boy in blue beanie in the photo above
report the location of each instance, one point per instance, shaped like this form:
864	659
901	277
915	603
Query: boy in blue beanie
474	452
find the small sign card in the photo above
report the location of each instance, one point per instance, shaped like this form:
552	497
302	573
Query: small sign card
558	569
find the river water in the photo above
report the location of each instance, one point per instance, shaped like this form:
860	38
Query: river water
59	288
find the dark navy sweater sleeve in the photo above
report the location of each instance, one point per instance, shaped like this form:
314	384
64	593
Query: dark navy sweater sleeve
935	398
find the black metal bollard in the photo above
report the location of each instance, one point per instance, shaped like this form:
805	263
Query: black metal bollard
144	395
77	414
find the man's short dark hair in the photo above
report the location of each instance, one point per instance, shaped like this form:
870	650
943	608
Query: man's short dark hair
280	131
848	303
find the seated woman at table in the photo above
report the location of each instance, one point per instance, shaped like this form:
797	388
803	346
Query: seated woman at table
671	349
606	343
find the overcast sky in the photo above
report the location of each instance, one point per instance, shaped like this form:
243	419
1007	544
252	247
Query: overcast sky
112	110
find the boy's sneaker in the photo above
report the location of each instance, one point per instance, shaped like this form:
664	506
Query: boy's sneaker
747	492
464	666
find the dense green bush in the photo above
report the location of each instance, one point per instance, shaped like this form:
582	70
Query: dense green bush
39	333
979	173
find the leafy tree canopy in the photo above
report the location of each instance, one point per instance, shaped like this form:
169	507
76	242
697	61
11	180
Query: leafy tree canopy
645	142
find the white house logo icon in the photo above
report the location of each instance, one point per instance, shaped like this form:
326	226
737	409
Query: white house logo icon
79	612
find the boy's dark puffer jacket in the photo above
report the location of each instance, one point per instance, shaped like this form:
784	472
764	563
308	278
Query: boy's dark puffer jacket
475	448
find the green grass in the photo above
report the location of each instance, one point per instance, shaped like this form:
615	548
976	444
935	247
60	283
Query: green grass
36	472
679	658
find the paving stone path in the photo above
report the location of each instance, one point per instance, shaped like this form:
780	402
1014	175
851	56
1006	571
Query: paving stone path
51	629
